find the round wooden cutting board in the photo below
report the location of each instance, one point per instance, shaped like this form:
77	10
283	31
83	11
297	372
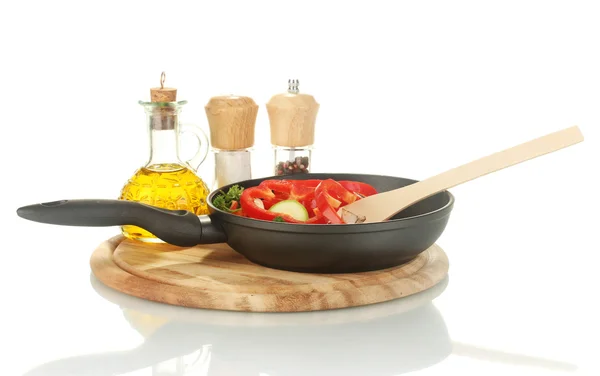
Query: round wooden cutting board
216	277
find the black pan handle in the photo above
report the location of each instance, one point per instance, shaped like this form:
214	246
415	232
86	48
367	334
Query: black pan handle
177	227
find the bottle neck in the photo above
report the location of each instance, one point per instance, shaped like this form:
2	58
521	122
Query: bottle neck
164	141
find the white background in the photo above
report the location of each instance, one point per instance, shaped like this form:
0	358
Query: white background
407	88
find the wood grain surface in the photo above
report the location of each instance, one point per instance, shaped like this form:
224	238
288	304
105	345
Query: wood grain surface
383	206
232	121
216	277
292	119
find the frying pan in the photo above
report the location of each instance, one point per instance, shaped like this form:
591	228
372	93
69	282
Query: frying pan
295	247
404	219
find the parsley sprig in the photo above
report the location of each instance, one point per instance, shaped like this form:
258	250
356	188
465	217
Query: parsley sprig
223	200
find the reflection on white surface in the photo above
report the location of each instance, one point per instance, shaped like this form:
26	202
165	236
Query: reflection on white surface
383	339
389	338
195	363
491	355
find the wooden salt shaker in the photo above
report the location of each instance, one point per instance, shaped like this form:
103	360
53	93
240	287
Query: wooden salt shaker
232	122
292	116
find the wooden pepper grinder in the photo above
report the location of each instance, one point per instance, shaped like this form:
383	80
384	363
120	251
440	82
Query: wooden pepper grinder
232	121
292	116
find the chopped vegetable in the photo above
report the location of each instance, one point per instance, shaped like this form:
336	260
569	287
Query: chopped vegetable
230	201
362	189
327	203
256	209
281	191
349	217
253	203
311	201
292	208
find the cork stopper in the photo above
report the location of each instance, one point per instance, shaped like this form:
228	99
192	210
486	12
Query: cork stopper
292	116
232	120
162	93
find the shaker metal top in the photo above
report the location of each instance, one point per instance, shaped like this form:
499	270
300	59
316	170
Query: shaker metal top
293	86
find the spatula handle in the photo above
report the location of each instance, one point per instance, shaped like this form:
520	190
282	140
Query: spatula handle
500	160
399	199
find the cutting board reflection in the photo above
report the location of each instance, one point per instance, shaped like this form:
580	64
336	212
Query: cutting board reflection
216	277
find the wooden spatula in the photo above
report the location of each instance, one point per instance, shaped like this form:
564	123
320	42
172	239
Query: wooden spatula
382	206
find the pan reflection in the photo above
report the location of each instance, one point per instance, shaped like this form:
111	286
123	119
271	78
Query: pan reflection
384	339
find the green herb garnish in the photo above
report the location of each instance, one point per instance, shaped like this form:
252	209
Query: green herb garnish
278	219
223	200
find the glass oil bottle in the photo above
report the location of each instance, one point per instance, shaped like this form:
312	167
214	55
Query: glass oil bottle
166	180
292	118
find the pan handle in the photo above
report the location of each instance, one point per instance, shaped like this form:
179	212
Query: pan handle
177	227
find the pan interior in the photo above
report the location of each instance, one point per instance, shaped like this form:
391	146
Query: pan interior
381	182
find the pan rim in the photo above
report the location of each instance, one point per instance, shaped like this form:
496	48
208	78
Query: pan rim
436	214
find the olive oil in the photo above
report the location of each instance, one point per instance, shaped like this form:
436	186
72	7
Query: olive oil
166	181
168	185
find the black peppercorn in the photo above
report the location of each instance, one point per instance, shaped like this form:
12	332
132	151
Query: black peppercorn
299	165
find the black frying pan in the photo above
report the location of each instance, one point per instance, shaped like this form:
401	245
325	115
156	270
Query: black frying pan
311	248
